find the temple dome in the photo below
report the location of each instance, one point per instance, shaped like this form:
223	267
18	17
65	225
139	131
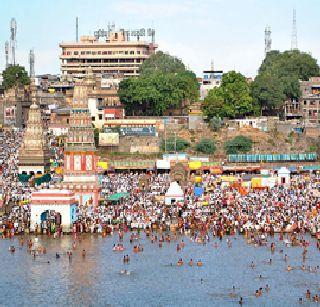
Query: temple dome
34	107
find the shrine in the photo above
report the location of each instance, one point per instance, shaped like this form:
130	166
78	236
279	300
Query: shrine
34	153
80	159
57	207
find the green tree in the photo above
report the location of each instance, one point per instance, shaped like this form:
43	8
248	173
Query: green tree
278	78
161	62
268	92
15	76
96	133
173	144
157	90
232	99
206	146
239	144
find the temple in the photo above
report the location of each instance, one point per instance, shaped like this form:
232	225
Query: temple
34	153
80	159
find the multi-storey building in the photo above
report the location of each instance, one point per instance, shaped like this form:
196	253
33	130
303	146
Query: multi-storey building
308	105
107	53
310	100
211	79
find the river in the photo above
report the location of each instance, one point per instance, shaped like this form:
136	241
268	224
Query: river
96	280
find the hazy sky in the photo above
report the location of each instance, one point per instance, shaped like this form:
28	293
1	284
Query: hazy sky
231	32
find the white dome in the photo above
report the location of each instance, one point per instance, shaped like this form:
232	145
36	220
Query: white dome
174	190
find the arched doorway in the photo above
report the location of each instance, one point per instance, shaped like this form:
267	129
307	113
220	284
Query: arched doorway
50	221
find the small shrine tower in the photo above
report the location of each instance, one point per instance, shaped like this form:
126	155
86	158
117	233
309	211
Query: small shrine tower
34	153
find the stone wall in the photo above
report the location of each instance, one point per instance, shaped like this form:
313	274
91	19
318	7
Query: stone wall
312	132
141	144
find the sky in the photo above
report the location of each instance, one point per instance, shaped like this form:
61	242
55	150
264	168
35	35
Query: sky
228	32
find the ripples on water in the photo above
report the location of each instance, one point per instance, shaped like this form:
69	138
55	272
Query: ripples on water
96	280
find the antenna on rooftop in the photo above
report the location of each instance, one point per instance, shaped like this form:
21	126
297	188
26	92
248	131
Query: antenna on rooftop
294	38
77	29
13	40
31	63
6	51
267	40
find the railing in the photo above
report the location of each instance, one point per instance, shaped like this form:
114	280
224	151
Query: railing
256	158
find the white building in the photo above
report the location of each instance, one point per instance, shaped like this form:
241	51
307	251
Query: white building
174	194
284	176
61	204
211	79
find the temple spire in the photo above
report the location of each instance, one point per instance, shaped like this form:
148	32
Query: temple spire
34	153
33	89
80	158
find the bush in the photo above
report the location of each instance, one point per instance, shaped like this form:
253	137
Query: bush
239	144
206	146
182	144
215	123
313	148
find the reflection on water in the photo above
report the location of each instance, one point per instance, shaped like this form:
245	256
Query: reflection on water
96	280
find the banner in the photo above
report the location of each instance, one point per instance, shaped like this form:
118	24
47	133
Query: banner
109	139
10	115
103	165
194	165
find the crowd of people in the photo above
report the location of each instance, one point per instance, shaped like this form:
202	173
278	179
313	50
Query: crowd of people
11	190
220	210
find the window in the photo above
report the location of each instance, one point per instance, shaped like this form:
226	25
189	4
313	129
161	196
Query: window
100	116
131	52
76	53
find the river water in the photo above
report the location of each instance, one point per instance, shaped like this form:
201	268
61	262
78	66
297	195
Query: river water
96	280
